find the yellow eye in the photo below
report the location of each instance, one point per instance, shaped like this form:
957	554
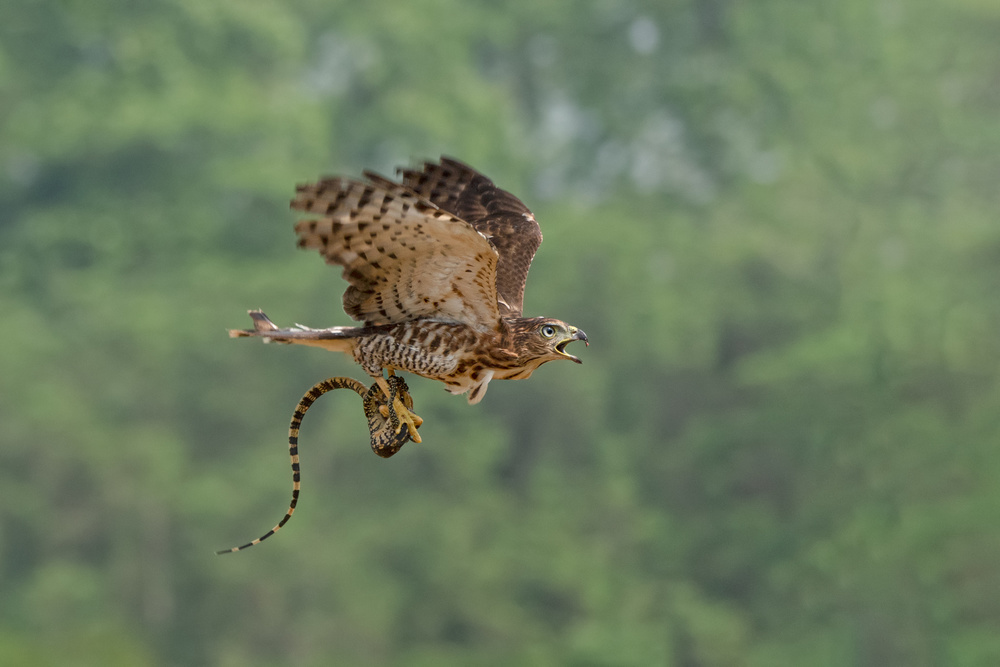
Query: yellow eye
548	331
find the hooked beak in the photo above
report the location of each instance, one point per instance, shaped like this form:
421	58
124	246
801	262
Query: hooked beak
576	334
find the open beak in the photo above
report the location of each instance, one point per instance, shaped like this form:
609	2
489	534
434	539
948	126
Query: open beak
576	334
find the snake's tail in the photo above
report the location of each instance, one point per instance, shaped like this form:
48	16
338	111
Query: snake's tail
307	400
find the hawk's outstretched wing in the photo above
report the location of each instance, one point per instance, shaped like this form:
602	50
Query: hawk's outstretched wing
404	257
464	192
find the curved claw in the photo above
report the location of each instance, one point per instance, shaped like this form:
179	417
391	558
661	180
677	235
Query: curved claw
405	416
388	406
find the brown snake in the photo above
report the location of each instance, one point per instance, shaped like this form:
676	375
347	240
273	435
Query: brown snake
387	436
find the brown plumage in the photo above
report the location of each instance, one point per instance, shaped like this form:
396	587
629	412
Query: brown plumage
436	266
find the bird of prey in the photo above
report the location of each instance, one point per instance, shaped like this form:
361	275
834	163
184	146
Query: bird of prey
436	265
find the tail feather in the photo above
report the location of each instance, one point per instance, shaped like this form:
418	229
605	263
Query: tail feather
338	339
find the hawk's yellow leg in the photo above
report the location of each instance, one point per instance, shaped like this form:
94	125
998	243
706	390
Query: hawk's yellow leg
395	407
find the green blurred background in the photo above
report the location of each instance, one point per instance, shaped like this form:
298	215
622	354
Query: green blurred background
776	220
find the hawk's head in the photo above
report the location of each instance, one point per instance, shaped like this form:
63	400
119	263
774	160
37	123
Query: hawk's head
541	339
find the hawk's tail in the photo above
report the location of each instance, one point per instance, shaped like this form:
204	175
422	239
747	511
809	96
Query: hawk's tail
337	339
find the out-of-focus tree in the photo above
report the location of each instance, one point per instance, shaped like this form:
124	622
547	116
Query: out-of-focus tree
775	222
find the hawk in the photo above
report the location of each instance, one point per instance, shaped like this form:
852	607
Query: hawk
436	265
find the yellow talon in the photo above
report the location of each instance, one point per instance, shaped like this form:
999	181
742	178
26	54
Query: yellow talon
403	413
411	420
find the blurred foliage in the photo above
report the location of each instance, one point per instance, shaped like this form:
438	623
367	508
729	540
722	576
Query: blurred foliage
776	221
